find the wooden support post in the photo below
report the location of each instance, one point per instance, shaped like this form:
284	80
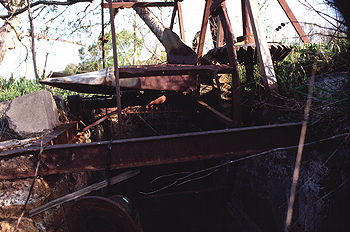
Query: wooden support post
181	23
264	56
116	71
231	51
203	29
294	21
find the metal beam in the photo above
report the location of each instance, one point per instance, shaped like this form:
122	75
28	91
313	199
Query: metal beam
139	4
294	21
168	149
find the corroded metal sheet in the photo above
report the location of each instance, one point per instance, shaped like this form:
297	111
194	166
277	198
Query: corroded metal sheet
148	77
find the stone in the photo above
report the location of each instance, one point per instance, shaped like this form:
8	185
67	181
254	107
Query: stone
26	225
3	107
32	114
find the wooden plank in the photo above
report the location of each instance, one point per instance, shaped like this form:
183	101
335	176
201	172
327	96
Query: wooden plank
264	56
82	192
294	21
138	4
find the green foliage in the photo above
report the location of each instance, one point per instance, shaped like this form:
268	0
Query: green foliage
292	73
91	57
12	88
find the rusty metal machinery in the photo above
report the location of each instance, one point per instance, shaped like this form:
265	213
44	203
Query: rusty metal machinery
99	214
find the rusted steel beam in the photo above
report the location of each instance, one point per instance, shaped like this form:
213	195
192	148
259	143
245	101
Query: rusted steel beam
167	70
216	114
168	149
216	4
206	15
181	23
139	4
247	28
172	21
232	56
294	21
116	70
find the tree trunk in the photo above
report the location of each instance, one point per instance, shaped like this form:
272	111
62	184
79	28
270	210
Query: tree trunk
8	38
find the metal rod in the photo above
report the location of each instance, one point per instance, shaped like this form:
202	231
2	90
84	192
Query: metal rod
233	62
247	28
203	29
116	72
173	18
103	37
181	23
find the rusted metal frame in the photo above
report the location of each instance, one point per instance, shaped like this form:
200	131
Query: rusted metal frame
294	21
138	4
116	72
249	64
215	5
216	114
103	39
206	15
100	120
167	149
181	23
169	70
231	51
219	34
247	28
62	135
172	21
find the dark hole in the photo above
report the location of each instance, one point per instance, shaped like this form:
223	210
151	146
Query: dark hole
98	224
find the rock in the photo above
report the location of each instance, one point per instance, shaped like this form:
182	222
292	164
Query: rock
14	194
3	107
26	225
32	114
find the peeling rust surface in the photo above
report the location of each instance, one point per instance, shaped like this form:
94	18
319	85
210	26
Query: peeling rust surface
166	149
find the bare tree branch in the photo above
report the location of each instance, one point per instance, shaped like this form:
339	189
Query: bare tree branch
58	3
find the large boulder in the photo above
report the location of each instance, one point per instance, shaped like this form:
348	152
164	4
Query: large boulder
32	114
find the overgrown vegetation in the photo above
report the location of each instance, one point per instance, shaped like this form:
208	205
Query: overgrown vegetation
12	88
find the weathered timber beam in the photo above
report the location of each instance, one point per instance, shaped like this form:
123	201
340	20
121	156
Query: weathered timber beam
62	135
168	149
83	192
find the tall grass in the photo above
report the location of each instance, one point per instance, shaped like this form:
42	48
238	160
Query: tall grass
12	88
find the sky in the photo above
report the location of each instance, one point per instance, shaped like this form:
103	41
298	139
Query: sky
60	54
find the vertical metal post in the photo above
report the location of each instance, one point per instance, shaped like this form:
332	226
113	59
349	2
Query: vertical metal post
203	29
116	72
219	34
173	17
247	28
231	51
103	37
181	23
